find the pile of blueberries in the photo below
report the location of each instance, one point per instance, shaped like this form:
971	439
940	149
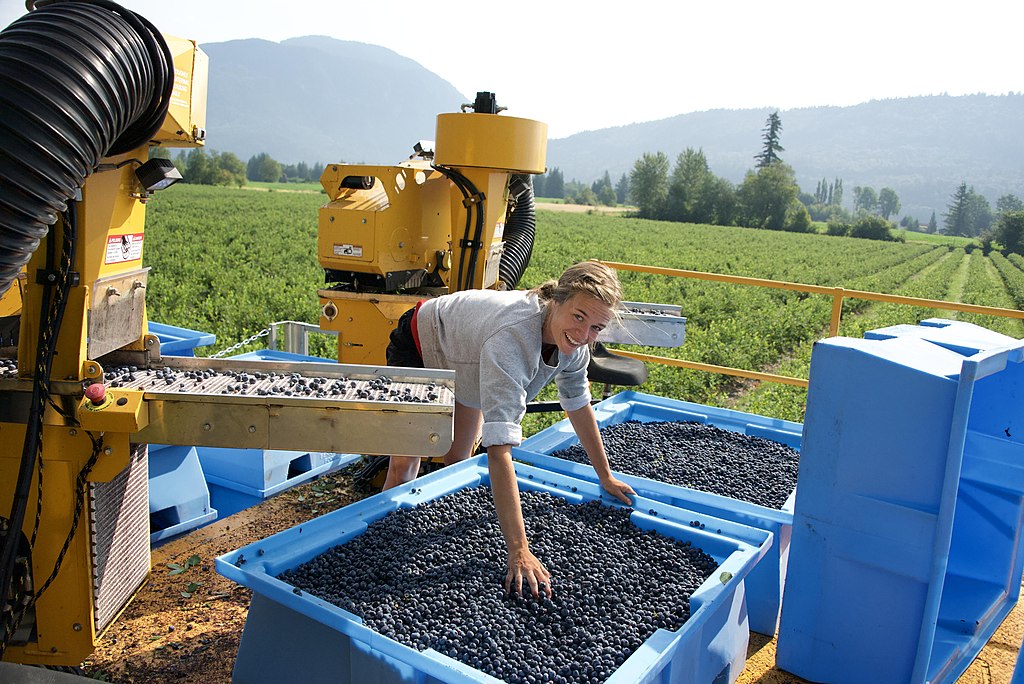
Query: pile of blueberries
701	457
8	368
431	577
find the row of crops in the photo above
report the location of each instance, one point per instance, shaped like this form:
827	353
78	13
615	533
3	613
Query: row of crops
232	261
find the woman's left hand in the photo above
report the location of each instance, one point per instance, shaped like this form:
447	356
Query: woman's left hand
619	489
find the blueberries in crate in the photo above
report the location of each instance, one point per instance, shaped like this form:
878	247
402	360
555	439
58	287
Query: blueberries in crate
431	577
701	457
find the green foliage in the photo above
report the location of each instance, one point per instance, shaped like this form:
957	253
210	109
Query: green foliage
771	133
798	220
648	184
888	203
765	196
1010	231
551	184
231	261
222	168
872	228
838	227
967	213
1008	203
262	167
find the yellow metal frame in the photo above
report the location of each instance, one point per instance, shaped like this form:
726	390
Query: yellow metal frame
838	294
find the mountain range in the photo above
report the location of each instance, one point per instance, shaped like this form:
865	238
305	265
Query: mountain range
318	99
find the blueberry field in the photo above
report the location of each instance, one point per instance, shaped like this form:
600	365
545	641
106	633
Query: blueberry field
232	261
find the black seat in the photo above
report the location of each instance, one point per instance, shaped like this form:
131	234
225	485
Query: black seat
610	369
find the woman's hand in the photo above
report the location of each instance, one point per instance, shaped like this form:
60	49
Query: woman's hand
523	565
619	489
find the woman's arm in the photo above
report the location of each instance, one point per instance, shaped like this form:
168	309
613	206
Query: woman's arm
522	564
585	425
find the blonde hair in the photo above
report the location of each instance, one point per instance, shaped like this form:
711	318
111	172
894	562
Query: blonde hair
589	277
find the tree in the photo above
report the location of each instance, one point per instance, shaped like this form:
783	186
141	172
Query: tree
765	196
538	185
648	184
686	186
933	225
770	134
864	199
872	228
1008	203
888	202
622	189
980	212
555	184
1010	231
604	191
262	167
968	213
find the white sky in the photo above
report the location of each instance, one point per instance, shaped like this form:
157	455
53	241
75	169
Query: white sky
585	65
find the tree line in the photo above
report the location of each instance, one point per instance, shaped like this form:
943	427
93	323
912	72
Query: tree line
208	167
769	197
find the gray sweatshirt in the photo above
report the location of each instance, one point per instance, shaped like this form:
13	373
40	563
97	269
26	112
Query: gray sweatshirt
492	340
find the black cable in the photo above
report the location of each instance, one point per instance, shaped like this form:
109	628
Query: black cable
32	450
471	197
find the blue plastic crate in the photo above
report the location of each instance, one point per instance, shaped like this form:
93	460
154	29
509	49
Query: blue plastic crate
175	341
906	551
290	637
240	478
277	355
179	499
764	586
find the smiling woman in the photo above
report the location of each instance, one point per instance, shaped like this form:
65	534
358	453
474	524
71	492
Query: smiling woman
504	348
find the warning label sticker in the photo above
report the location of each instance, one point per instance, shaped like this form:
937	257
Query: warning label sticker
348	250
121	248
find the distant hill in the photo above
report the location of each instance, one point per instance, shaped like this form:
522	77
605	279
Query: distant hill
922	147
320	99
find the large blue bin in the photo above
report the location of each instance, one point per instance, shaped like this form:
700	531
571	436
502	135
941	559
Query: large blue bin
240	478
290	637
764	586
179	499
906	552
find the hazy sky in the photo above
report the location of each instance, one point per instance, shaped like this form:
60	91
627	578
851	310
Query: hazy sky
586	65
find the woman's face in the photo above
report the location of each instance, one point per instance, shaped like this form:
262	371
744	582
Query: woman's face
576	322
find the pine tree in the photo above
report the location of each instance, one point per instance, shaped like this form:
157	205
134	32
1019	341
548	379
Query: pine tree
771	132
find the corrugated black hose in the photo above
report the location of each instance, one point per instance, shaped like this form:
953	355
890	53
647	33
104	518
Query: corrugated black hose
520	229
80	80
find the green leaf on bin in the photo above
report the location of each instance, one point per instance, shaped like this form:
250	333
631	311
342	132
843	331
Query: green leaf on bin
725	577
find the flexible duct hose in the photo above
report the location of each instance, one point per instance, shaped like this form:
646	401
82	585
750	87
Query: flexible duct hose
520	229
79	80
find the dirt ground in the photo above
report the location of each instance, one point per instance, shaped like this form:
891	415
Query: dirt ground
186	626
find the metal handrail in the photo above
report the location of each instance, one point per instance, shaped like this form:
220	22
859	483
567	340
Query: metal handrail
838	294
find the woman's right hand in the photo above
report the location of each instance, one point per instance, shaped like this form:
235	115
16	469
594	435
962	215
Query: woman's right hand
524	566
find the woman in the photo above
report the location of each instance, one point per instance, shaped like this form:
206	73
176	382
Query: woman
504	348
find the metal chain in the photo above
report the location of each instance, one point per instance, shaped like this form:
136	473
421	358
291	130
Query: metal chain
235	347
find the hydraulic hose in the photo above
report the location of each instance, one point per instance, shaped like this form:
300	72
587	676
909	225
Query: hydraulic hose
520	229
79	80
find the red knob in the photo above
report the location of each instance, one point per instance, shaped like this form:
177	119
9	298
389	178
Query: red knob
96	393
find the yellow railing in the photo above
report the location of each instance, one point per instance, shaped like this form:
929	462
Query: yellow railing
838	294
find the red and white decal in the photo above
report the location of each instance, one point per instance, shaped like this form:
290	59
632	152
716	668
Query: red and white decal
122	248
